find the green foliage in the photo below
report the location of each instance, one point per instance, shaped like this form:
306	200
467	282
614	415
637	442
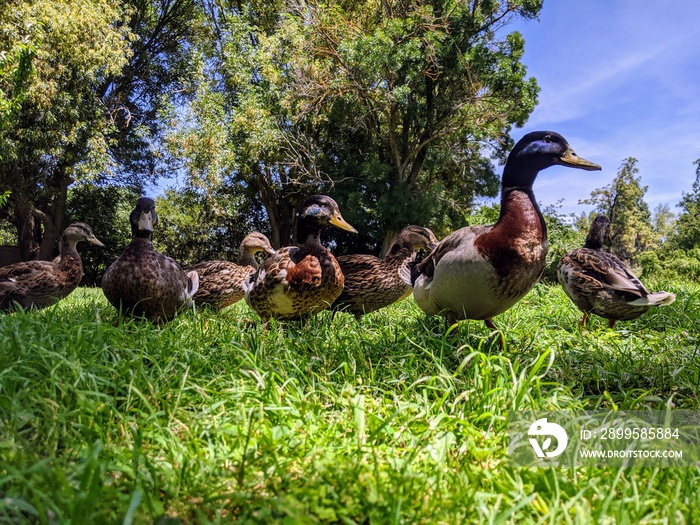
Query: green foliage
671	263
210	419
622	201
393	109
664	223
161	72
93	76
7	235
688	225
421	89
194	227
15	69
59	133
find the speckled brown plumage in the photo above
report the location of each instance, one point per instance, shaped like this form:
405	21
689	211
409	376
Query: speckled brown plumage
372	283
221	282
143	282
478	272
38	284
299	281
599	283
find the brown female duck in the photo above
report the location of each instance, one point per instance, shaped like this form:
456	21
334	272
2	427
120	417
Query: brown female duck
598	282
38	284
221	282
478	272
143	282
372	283
300	280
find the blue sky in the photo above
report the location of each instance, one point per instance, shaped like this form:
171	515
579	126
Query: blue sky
618	79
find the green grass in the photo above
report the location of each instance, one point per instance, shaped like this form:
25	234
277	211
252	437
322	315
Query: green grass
211	420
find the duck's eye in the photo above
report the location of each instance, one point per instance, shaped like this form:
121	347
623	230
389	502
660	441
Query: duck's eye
548	138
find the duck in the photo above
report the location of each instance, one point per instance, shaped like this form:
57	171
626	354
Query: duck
599	283
371	283
221	282
143	282
38	284
301	280
479	272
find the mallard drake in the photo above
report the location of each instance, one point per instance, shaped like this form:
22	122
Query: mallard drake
478	272
221	282
372	283
598	282
143	282
38	284
300	280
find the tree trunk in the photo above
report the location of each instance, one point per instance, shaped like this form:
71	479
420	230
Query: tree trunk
27	237
54	220
280	210
33	242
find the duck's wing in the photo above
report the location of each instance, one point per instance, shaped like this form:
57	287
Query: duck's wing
170	279
461	240
272	271
363	271
31	281
19	276
607	270
213	268
358	263
404	272
25	271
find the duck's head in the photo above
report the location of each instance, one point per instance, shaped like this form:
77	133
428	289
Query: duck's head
414	238
317	212
79	231
597	235
143	219
256	242
539	150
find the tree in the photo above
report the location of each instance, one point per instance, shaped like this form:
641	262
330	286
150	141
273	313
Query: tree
158	74
59	132
102	71
664	222
394	107
428	88
687	234
622	201
239	132
195	226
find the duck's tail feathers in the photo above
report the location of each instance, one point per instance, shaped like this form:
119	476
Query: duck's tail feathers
655	299
192	283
